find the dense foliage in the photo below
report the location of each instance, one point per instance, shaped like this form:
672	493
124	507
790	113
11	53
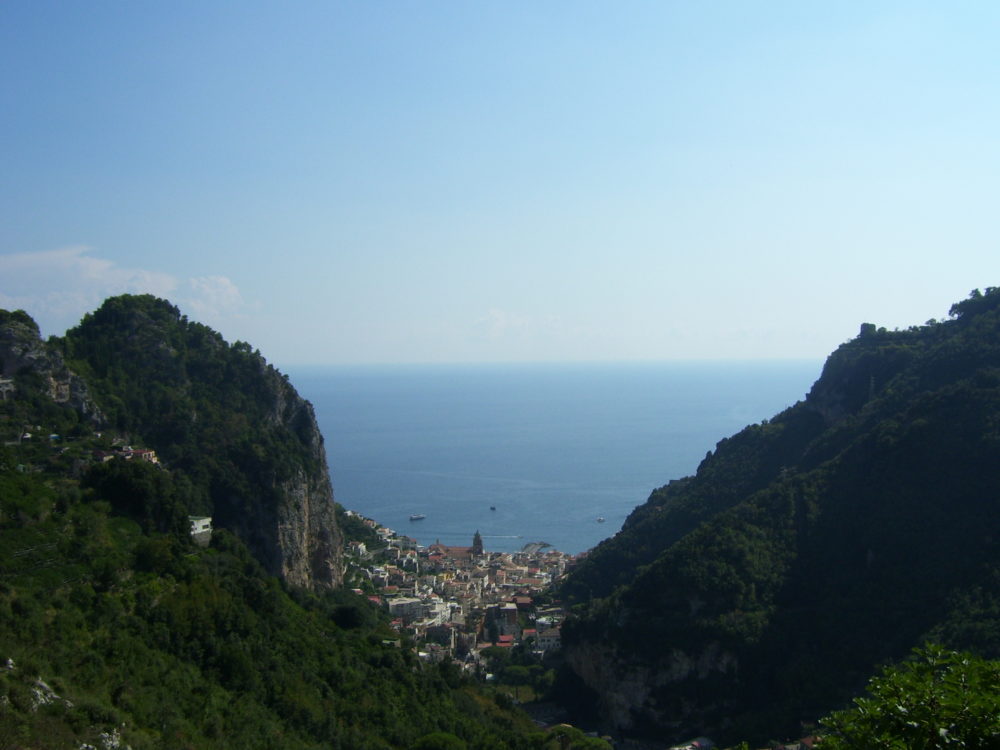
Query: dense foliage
812	547
114	622
937	699
178	646
214	411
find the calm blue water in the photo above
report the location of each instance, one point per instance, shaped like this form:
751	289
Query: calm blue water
552	447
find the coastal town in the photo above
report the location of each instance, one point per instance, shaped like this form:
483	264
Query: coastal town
470	605
460	602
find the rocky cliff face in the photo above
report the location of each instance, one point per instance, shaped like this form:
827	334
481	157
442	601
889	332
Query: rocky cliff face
635	692
307	534
287	517
23	351
307	540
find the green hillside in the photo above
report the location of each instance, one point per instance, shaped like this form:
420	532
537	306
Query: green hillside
224	419
115	627
763	592
811	548
173	646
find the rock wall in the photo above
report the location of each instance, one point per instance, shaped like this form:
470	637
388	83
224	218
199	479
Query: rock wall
308	539
22	350
289	519
309	542
635	693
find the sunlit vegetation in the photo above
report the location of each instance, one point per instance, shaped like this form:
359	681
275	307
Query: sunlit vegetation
113	622
177	646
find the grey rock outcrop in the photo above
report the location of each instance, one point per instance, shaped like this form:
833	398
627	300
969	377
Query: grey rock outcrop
635	692
305	538
23	351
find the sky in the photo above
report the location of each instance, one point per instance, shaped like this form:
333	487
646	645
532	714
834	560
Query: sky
401	182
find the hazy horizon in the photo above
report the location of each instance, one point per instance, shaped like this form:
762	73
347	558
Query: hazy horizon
308	367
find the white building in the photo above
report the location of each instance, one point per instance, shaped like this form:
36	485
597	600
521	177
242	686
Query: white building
407	607
201	529
549	639
200	524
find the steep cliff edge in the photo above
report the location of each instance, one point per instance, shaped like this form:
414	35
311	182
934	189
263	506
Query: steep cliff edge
292	527
231	423
300	540
810	548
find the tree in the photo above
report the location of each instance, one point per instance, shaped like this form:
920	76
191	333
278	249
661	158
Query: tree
935	699
438	741
977	303
566	737
142	491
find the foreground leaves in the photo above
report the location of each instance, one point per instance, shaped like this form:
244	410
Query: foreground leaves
936	699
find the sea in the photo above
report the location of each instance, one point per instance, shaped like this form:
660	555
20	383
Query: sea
553	453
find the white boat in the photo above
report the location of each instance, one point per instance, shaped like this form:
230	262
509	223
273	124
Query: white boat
600	519
417	517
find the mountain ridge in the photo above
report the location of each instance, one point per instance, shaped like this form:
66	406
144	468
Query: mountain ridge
807	549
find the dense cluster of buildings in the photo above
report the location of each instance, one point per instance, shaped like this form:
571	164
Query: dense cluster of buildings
457	601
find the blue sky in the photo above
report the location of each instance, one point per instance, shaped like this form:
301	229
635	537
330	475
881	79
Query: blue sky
468	181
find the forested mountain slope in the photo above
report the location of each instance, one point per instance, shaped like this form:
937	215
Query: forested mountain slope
229	422
809	548
117	630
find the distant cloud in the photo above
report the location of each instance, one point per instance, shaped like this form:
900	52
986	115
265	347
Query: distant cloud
58	287
211	297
